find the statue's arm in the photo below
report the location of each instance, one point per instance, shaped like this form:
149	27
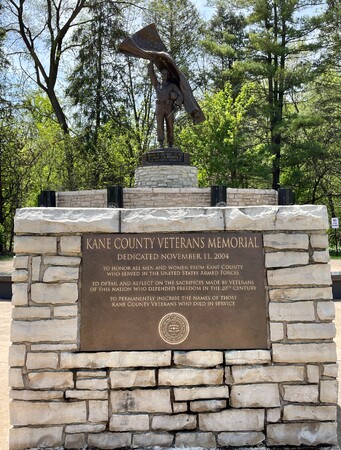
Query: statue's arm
180	98
152	75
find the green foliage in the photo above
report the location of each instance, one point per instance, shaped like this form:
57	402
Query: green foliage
222	146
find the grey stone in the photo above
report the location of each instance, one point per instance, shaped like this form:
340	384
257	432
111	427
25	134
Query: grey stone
309	433
238	439
109	440
20	438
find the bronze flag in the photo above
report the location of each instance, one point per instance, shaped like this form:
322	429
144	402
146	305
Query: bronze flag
147	44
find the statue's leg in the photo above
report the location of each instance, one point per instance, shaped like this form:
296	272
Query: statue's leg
170	127
160	114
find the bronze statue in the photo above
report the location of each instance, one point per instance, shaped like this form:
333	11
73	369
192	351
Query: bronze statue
168	99
173	90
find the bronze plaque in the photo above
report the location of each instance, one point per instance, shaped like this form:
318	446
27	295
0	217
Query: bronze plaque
173	291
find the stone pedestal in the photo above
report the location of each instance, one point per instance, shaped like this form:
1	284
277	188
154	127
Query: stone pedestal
166	176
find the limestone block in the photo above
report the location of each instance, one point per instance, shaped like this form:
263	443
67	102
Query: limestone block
141	400
35	244
240	439
286	241
302	217
92	384
70	245
132	378
179	407
50	380
174	422
47	413
85	428
131	422
66	220
300	353
185	377
109	440
36	262
60	273
212	392
309	433
172	219
86	394
98	411
19	275
301	393
304	276
64	347
42	360
296	294
65	311
330	370
75	441
321	256
311	331
207	405
20	438
276	332
63	260
44	330
286	259
279	218
273	415
233	420
195	440
54	293
326	310
247	357
270	374
255	396
16	355
308	412
20	294
91	374
328	391
15	378
313	373
114	359
319	240
292	312
20	262
198	358
30	395
24	313
154	439
228	375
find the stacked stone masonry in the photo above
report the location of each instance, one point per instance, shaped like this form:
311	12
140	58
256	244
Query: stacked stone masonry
282	396
171	197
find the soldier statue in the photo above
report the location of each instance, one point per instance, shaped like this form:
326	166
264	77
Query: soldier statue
168	99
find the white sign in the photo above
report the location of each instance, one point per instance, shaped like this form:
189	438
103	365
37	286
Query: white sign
335	222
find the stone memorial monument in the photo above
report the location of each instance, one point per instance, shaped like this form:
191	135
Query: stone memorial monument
173	327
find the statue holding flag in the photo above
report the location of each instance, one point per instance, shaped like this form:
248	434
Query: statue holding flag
173	90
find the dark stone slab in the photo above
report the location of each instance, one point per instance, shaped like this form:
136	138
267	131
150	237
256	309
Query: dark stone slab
166	156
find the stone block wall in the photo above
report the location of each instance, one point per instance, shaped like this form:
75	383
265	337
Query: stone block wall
170	197
63	398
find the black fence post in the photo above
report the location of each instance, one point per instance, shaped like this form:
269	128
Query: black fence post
218	196
47	198
115	197
286	196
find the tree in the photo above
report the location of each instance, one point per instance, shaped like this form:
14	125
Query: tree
45	28
225	42
224	147
179	26
280	49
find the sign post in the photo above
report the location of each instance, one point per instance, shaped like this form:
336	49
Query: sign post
335	226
